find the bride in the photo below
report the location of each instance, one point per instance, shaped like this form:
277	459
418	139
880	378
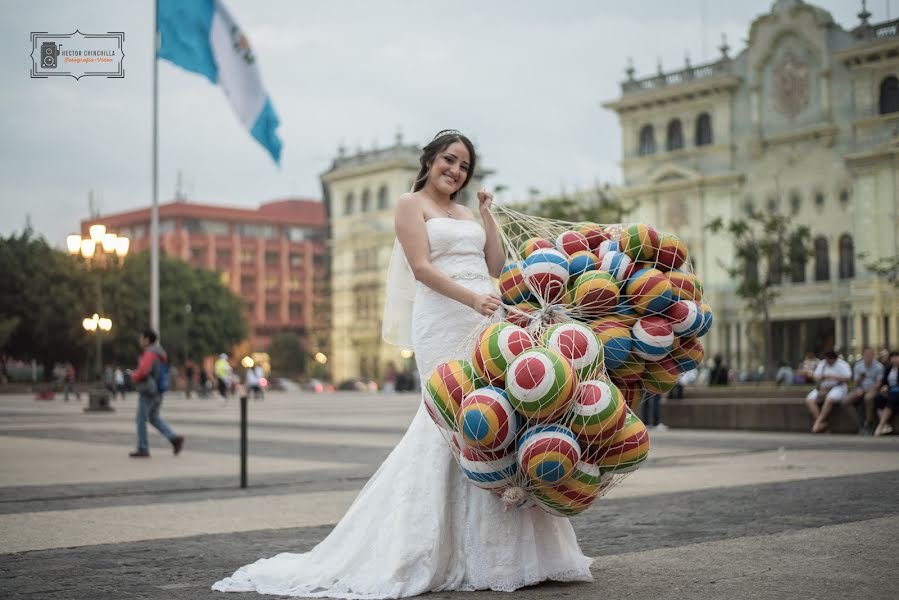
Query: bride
418	525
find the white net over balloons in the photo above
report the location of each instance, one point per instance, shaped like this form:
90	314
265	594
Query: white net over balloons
542	410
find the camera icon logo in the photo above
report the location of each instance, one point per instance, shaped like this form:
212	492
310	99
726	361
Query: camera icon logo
49	52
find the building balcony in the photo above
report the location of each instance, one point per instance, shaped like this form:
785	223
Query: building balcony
685	75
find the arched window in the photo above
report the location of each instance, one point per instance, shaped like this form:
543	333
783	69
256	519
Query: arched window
349	204
889	95
798	253
751	268
675	139
795	202
822	262
776	265
383	202
366	201
703	130
847	257
647	141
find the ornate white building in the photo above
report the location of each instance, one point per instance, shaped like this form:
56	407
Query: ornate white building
804	121
360	193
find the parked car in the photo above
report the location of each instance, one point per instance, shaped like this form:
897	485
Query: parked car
358	385
315	386
283	384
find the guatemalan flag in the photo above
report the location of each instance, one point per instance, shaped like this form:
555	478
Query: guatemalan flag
201	36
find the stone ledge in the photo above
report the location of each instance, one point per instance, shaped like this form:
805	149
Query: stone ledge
758	414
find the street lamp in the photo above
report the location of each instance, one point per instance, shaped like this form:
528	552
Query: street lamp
99	250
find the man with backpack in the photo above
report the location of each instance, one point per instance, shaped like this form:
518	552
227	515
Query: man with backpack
151	381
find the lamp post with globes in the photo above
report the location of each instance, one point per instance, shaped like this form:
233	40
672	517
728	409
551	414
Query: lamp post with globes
101	250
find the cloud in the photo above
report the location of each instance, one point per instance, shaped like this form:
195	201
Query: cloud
524	79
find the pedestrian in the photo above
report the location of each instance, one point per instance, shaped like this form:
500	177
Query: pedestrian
109	380
223	372
119	379
805	372
70	382
389	379
188	378
719	374
887	403
652	411
254	381
205	385
832	374
151	381
866	375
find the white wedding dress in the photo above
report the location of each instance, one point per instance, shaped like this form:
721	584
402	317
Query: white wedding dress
418	525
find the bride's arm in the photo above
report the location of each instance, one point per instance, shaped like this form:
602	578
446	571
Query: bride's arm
412	234
493	249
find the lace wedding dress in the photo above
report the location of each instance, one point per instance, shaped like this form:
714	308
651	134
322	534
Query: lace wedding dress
418	525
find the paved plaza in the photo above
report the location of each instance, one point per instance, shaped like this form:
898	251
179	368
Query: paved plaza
712	514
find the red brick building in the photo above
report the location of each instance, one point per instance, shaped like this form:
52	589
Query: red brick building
274	257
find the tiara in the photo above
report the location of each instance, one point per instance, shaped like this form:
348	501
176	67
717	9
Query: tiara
447	132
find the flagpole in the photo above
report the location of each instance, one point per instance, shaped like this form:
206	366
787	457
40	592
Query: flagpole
154	207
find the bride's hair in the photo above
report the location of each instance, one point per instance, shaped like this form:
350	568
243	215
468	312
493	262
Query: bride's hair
441	142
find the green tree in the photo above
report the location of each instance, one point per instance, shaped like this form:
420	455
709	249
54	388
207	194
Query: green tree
214	323
886	267
768	239
45	295
287	354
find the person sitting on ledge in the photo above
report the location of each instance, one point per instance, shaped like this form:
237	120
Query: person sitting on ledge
805	372
832	374
887	403
866	376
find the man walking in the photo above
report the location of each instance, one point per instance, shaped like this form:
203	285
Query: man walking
150	379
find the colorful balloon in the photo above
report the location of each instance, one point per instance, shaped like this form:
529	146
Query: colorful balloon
577	493
598	412
488	470
616	341
630	370
531	245
687	353
512	286
548	454
672	252
579	344
640	242
685	317
541	384
660	376
595	293
546	272
569	242
594	234
628	449
446	389
706	320
649	291
683	285
617	264
496	348
653	338
487	420
581	262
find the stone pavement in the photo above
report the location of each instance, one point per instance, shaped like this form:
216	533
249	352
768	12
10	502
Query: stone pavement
711	515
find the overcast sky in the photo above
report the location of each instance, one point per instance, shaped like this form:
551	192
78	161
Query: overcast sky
523	79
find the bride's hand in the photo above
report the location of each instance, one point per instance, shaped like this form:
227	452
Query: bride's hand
486	304
485	199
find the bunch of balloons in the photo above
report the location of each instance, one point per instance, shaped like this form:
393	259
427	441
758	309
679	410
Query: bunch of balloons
542	411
